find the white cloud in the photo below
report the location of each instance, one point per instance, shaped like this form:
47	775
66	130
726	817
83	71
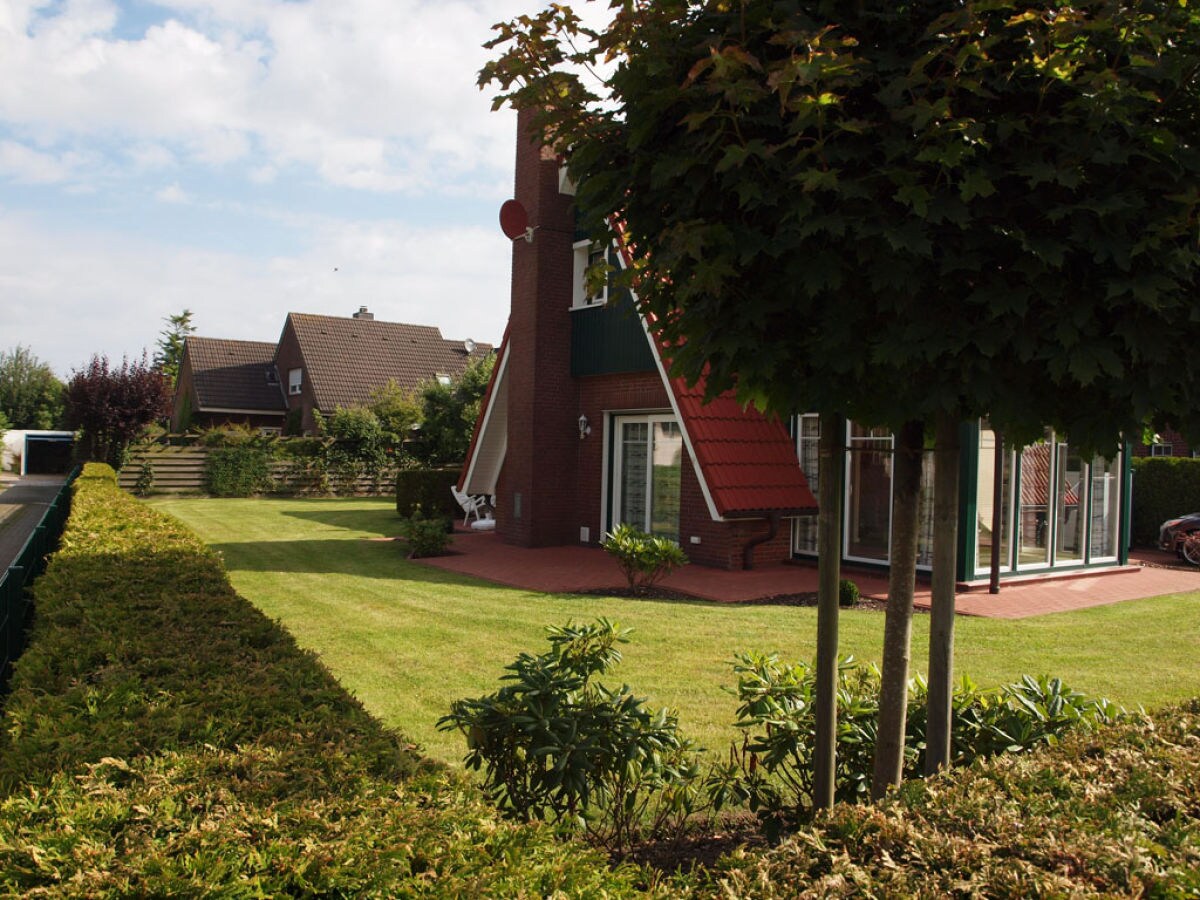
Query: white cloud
69	295
371	94
27	165
172	193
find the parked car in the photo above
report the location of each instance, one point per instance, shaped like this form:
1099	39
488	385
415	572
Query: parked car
1182	536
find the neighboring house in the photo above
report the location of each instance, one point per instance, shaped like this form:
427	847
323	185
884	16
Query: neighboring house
582	429
223	382
328	361
319	363
1167	443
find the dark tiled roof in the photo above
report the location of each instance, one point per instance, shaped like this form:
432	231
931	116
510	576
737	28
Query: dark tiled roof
345	358
233	374
747	460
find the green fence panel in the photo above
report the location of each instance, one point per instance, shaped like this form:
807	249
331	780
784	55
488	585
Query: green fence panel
16	579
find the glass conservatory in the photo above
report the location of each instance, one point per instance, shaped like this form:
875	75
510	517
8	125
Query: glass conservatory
1035	509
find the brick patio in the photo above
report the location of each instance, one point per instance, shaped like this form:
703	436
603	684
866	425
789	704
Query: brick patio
577	569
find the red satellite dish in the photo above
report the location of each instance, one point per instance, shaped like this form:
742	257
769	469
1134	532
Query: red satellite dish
514	220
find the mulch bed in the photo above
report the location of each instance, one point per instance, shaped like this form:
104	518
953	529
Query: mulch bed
700	848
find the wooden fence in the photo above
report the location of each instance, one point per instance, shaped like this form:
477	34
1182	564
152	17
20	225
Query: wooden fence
180	470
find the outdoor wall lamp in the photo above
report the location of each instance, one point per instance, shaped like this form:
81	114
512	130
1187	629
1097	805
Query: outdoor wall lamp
584	428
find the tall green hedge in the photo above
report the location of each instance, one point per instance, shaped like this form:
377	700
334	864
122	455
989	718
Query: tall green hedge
428	488
164	738
1163	487
238	471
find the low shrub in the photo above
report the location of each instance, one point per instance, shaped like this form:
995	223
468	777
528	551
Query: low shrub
848	593
1114	813
425	537
145	479
556	745
643	558
771	769
238	470
164	738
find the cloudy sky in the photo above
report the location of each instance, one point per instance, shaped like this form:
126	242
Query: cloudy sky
243	159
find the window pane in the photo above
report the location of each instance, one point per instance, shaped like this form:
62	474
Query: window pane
1105	505
807	448
985	493
1069	538
1033	517
869	496
925	512
634	454
664	504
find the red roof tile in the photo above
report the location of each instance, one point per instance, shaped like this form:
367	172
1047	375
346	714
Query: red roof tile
747	460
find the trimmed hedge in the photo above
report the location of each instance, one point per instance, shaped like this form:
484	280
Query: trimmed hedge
238	471
428	488
1114	813
1163	487
164	738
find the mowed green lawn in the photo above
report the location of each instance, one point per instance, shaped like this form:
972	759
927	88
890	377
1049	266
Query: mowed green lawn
407	639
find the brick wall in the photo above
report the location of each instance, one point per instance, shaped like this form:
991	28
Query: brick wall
539	486
551	484
1173	439
287	357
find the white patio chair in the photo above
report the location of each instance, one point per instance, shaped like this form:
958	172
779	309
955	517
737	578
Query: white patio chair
471	505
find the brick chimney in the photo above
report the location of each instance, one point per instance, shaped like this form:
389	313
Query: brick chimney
538	488
363	314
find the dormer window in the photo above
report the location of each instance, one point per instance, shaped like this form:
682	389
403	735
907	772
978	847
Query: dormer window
294	380
587	255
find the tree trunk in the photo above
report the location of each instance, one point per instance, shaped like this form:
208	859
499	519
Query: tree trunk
897	631
832	463
941	625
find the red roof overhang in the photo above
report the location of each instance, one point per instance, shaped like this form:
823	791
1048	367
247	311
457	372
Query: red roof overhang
747	460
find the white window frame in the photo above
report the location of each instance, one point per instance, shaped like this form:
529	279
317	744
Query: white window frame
583	258
617	487
295	381
1159	449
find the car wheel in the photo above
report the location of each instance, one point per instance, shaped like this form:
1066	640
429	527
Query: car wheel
1190	548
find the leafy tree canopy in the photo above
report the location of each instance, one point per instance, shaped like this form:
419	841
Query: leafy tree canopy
398	411
448	414
896	209
112	406
170	343
30	395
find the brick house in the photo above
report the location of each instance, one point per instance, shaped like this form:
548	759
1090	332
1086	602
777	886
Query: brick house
582	428
224	382
1167	443
329	361
319	363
